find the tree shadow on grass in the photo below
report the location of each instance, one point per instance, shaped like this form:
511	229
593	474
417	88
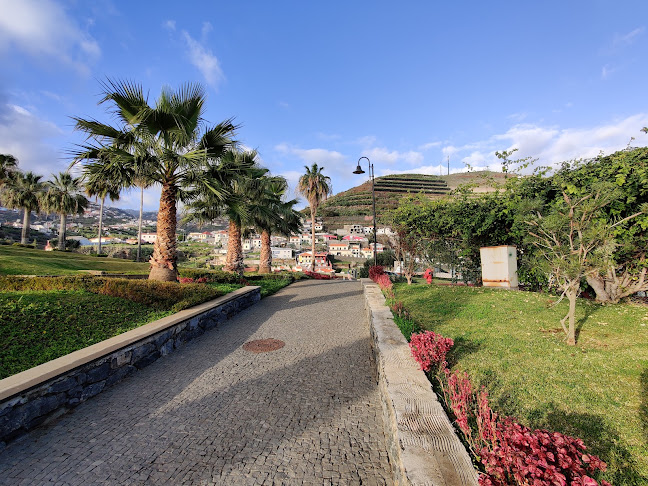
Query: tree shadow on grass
462	348
643	406
600	438
590	310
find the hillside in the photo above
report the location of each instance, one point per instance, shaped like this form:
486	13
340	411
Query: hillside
355	205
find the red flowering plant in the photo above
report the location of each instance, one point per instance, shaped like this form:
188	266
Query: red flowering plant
429	273
526	457
192	280
430	349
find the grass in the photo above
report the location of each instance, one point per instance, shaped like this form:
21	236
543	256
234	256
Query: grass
40	326
512	343
26	261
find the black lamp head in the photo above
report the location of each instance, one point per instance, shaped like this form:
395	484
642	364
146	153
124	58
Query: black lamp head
358	170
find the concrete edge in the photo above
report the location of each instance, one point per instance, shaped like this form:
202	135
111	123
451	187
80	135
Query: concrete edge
422	444
32	377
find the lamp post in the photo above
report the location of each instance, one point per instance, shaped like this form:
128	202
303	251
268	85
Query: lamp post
373	197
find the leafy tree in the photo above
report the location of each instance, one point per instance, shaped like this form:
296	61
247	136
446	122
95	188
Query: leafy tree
64	196
315	187
574	240
161	144
23	191
627	172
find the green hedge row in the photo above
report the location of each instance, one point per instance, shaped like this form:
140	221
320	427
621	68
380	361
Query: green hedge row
157	295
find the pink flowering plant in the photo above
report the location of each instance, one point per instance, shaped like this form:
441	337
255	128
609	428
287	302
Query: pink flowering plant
430	349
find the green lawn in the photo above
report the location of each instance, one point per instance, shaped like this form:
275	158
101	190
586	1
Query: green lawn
15	260
512	343
37	327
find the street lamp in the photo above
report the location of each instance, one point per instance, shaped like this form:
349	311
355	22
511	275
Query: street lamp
373	197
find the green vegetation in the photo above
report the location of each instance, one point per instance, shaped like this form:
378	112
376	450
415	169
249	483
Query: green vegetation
44	318
26	261
511	343
40	326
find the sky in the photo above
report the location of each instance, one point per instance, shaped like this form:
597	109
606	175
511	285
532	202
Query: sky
411	85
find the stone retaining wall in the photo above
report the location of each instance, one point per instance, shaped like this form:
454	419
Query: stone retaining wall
423	446
38	395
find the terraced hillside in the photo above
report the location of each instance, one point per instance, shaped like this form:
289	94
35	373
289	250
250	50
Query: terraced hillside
354	205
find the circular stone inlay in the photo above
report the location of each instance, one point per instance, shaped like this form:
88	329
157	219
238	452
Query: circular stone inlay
263	345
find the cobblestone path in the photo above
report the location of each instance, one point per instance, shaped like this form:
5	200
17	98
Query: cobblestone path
214	413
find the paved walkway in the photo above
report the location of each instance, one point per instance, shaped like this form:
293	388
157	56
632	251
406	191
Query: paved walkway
213	413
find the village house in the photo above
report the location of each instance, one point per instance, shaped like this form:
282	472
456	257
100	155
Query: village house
282	253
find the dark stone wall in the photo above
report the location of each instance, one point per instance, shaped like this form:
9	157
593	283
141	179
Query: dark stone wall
42	403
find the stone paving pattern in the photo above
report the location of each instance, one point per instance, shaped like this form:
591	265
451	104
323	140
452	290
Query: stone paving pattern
213	413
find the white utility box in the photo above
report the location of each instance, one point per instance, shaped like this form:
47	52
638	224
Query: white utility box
499	266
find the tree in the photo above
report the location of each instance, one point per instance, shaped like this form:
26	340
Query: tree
315	187
8	164
163	144
574	240
100	187
206	204
64	196
627	172
272	214
23	191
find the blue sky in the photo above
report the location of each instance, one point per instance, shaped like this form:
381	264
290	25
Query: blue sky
407	84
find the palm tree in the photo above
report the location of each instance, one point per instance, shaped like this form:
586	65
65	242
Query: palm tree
64	196
8	165
98	186
160	144
315	187
239	205
272	214
23	191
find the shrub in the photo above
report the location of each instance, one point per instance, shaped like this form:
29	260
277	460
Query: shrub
317	276
157	295
375	271
538	457
428	275
430	349
212	276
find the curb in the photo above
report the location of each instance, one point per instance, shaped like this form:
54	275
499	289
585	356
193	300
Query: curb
422	444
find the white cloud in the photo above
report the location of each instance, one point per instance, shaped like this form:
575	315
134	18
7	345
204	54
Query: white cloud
607	70
170	25
25	137
366	141
381	155
44	30
428	146
629	38
318	156
550	144
203	59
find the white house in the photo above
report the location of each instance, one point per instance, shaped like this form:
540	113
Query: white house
282	253
149	237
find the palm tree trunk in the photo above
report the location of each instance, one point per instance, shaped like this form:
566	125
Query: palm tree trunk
313	211
139	229
234	259
62	228
163	262
24	236
265	264
101	208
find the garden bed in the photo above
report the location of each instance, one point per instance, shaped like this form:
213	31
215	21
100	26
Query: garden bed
511	343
